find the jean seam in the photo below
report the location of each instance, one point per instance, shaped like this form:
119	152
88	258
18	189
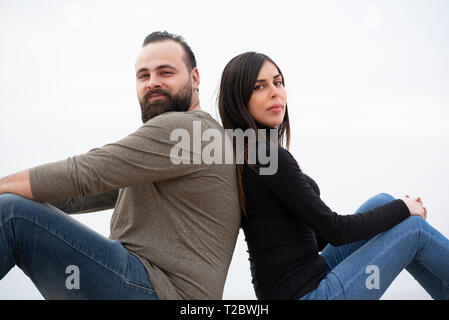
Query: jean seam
341	287
152	291
77	249
418	250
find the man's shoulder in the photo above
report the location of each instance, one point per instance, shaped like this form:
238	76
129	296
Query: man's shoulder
179	119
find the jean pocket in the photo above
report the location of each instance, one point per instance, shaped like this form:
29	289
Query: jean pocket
137	275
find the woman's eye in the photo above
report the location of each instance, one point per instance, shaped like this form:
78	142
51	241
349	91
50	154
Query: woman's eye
278	83
259	87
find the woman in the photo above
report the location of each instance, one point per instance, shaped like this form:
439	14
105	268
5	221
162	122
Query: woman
286	223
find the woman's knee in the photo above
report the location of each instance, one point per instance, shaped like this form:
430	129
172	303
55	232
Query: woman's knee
384	197
375	201
415	222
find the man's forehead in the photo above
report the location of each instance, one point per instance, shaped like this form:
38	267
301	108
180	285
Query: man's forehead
159	53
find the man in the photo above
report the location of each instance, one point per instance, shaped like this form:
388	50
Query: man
174	225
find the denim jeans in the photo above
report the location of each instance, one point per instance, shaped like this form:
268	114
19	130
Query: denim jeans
364	270
65	259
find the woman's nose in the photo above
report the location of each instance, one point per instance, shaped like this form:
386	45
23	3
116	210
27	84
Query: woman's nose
274	91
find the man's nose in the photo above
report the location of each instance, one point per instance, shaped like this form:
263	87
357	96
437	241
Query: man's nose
153	82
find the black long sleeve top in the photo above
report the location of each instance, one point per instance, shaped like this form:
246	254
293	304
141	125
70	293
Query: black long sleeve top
287	224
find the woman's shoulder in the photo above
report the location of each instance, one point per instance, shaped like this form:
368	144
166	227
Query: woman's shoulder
274	150
271	155
283	167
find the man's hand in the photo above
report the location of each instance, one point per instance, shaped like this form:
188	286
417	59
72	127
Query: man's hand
18	183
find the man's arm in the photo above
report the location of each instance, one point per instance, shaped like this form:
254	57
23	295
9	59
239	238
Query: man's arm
143	157
18	183
89	203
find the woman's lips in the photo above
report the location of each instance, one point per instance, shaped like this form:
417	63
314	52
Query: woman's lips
275	108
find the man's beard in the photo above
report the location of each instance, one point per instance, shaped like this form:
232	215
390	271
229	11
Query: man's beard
180	101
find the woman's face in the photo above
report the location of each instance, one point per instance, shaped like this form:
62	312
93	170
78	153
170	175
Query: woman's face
268	100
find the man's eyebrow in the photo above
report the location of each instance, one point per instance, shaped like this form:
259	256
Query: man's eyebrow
141	70
166	66
275	77
162	66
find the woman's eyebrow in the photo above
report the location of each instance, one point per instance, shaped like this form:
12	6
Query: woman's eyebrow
263	80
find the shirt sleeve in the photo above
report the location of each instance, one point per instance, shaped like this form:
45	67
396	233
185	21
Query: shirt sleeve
89	203
291	186
144	156
321	242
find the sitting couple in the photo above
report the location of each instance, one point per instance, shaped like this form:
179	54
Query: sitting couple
175	225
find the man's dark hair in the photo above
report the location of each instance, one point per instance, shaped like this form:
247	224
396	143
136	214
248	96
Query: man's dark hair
158	36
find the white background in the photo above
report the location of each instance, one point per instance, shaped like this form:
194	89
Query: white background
367	82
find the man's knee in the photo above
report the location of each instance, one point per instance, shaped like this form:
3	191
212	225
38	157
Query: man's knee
7	198
10	201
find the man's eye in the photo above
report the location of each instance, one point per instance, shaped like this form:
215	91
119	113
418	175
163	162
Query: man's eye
143	76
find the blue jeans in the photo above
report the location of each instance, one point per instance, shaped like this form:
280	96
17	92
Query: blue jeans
65	259
364	270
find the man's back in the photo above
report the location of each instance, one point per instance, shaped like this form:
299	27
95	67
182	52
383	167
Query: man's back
180	219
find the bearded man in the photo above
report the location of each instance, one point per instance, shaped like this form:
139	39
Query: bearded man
174	225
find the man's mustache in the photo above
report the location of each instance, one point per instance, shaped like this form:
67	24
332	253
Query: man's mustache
156	91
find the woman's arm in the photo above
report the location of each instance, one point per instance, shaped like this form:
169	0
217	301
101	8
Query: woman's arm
321	242
290	185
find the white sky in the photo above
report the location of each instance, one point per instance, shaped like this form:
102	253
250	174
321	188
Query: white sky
367	81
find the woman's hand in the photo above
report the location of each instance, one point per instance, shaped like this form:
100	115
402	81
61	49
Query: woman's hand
415	206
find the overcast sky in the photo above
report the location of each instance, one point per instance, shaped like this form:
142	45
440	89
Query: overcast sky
367	83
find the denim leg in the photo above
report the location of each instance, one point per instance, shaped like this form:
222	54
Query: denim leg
335	255
436	288
413	240
65	259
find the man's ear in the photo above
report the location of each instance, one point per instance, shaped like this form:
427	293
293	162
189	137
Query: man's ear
195	79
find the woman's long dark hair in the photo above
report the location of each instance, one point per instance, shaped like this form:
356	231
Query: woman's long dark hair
236	87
